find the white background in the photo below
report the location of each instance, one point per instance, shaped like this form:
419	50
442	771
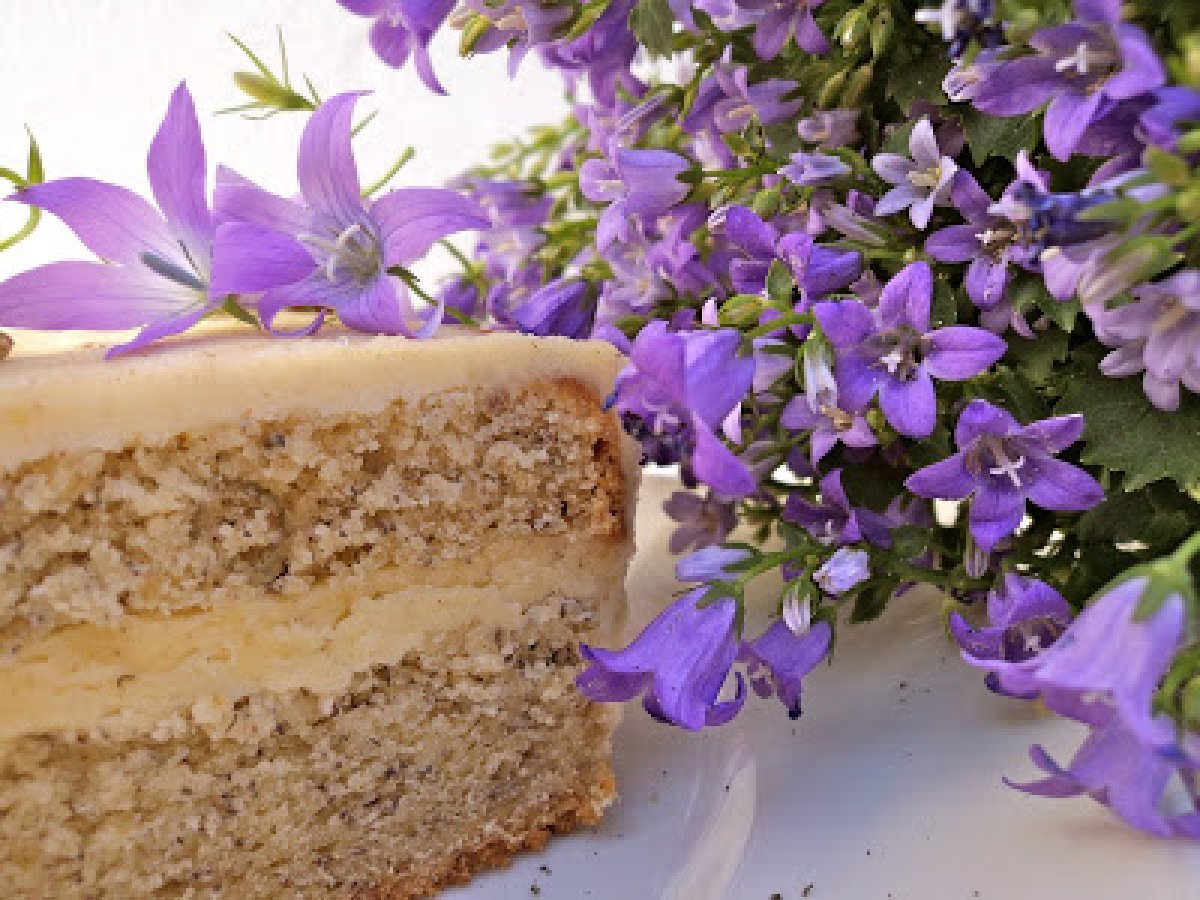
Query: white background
91	78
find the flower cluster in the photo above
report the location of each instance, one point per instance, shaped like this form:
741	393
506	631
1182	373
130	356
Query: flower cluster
883	272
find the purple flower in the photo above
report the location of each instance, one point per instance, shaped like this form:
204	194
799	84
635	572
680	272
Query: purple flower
460	294
334	251
1116	769
160	267
892	351
564	307
783	19
966	79
817	270
744	102
1172	107
403	28
989	242
1025	617
964	21
807	169
922	182
679	663
847	568
829	128
678	389
1158	335
1083	68
816	411
1002	464
701	521
636	182
778	660
834	521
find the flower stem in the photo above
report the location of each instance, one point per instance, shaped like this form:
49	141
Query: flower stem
1187	549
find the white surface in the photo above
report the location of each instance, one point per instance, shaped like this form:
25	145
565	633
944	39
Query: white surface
92	78
887	787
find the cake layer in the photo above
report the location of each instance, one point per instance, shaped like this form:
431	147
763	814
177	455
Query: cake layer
218	513
452	757
57	396
134	677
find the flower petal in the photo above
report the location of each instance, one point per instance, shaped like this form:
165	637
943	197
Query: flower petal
893	168
996	512
1067	118
956	244
114	223
411	220
249	258
174	324
910	406
391	43
979	418
945	480
960	352
844	322
1054	484
238	199
1057	434
906	298
747	231
325	164
715	465
383	307
177	172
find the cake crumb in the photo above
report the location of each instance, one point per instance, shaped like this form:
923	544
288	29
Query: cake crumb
808	889
6	345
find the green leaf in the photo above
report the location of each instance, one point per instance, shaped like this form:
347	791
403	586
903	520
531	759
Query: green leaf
780	285
989	136
1125	517
35	170
919	77
588	14
1125	433
654	25
945	308
1037	358
871	601
1031	293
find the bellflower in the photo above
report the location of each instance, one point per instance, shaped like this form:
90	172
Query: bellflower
816	411
710	564
700	521
989	242
843	571
1001	464
744	101
636	182
834	521
679	388
922	182
564	307
334	250
817	270
1116	769
807	169
1082	68
829	128
784	19
964	21
1172	107
1159	335
159	266
1025	617
1108	662
778	659
404	28
892	351
678	663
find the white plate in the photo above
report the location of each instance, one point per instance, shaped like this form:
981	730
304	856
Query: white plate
887	787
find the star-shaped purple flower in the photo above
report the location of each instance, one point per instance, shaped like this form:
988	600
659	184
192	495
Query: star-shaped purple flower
333	251
892	351
679	664
922	182
1083	68
404	28
159	272
641	183
834	521
1001	464
778	659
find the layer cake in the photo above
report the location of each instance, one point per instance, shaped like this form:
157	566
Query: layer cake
300	618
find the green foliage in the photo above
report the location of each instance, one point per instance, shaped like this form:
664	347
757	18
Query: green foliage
989	136
653	24
35	173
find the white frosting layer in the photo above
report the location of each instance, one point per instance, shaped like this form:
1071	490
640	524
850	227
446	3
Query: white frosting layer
58	393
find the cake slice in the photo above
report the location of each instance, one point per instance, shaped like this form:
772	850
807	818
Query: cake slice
300	618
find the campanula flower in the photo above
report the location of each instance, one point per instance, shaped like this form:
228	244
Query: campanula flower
921	183
404	28
778	659
1001	464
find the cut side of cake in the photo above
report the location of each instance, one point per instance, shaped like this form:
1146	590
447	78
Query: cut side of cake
301	618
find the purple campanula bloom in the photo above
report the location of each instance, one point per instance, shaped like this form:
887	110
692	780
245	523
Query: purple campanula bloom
404	28
966	79
892	351
778	660
160	266
710	564
566	307
989	242
636	182
1115	768
678	389
1024	618
1158	335
1001	464
817	270
847	568
1172	107
964	21
779	20
462	295
701	521
816	411
743	101
679	664
334	250
834	520
602	55
829	128
922	182
1082	68
806	169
